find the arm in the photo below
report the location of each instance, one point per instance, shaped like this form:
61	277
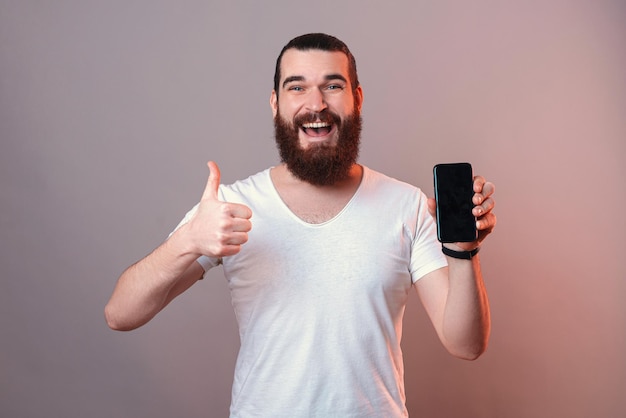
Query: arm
147	286
217	229
455	297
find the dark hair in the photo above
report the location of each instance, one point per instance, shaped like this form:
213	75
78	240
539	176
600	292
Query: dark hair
322	42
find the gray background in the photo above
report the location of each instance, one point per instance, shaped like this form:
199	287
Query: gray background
110	110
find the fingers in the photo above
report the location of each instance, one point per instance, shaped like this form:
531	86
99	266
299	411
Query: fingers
486	224
488	189
484	201
233	239
225	235
213	183
485	207
229	245
231	236
219	228
481	186
239	224
211	193
237	210
479	181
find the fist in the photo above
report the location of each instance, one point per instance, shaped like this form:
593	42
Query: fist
218	229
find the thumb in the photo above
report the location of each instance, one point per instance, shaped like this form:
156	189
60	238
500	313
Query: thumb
213	183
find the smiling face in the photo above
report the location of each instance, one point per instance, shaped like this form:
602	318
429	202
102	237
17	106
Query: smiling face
317	115
313	81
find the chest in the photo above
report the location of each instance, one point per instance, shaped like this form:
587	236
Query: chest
289	266
315	204
315	208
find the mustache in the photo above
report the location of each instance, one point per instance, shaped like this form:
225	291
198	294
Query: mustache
325	116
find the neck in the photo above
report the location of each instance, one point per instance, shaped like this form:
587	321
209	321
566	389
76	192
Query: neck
285	176
313	203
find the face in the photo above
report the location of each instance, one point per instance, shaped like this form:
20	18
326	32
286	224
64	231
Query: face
317	115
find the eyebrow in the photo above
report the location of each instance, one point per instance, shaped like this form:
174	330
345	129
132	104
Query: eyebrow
329	77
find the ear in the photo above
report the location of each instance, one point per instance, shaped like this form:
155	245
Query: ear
358	98
274	103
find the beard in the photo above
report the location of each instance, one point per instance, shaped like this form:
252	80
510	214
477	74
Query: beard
320	164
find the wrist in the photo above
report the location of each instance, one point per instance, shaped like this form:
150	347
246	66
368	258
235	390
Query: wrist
183	240
463	255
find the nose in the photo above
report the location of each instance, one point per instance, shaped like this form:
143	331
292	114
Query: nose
315	101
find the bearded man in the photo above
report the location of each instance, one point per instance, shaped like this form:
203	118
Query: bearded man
320	254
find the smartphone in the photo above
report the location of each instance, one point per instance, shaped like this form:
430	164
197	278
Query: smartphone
454	191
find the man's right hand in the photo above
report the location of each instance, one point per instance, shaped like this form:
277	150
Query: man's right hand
218	229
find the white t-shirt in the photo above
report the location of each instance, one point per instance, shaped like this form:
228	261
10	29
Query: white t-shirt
320	306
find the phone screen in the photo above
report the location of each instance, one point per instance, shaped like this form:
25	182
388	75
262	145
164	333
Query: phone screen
453	193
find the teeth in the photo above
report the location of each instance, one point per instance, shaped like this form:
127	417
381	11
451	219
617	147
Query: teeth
316	125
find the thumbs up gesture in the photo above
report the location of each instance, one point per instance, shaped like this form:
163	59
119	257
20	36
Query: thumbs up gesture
218	228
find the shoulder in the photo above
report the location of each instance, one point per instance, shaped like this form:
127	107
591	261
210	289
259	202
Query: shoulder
251	187
391	195
378	182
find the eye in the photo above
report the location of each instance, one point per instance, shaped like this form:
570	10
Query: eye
295	88
337	87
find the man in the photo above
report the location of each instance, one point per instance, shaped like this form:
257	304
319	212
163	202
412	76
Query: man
320	254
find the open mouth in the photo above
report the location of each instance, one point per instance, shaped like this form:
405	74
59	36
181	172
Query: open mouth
317	129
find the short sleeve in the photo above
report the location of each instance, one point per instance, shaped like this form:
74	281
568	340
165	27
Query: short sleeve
426	255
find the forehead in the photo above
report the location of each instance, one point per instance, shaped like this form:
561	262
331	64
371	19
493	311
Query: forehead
312	64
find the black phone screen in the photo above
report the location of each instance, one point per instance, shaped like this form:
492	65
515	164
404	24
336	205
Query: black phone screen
453	193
